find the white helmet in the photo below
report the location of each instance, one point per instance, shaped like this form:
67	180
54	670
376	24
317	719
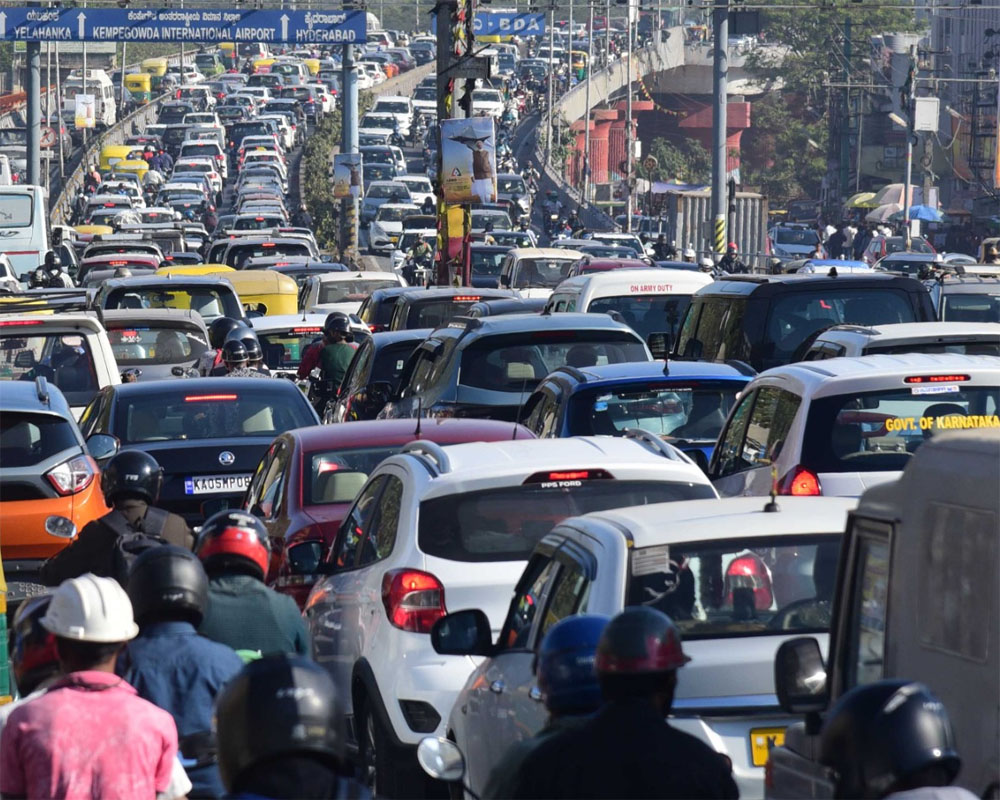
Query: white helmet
689	252
707	262
91	609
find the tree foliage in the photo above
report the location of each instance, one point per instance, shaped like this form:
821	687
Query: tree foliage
687	161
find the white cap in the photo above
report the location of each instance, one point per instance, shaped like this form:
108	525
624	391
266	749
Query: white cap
689	252
91	609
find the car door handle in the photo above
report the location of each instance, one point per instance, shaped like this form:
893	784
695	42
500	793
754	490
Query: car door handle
535	694
497	687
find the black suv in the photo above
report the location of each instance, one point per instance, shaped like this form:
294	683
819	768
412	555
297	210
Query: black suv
770	320
487	367
431	308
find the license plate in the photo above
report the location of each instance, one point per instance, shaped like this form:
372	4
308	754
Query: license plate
211	484
761	742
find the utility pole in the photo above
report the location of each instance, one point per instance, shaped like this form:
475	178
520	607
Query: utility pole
33	61
607	33
349	144
720	77
552	80
629	125
48	110
845	123
910	95
586	116
121	103
59	123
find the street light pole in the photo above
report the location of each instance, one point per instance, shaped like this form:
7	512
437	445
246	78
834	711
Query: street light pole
720	76
586	116
908	182
629	133
552	79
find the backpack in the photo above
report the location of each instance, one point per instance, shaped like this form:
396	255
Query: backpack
131	543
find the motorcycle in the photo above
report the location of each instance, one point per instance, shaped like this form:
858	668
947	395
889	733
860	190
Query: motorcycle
417	272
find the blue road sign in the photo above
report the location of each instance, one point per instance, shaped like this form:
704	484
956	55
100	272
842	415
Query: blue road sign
503	23
181	25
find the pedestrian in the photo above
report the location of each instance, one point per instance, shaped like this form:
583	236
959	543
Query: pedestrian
629	749
836	242
242	612
88	735
303	218
131	484
169	664
280	733
565	672
891	739
861	242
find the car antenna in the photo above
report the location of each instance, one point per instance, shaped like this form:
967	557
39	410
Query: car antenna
771	505
420	412
520	405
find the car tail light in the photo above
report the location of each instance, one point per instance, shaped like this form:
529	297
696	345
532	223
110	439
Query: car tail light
72	476
413	600
800	482
5	322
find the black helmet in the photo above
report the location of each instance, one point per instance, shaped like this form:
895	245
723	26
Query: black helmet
168	582
278	705
238	331
234	352
132	473
639	641
220	328
337	322
234	541
254	350
879	734
52	260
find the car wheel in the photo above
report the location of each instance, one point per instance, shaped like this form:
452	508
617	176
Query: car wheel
382	763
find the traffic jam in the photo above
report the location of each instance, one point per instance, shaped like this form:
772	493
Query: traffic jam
594	519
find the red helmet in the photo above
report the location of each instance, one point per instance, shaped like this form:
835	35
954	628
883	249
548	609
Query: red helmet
748	571
33	648
234	540
639	641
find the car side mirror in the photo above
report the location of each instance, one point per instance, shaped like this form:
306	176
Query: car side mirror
24	360
659	344
505	281
697	455
800	679
102	446
463	633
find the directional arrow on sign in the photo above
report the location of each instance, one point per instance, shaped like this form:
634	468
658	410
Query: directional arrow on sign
284	26
3	24
81	25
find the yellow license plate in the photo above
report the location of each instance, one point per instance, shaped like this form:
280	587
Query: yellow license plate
761	742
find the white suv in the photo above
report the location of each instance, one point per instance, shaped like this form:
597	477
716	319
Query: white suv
436	525
848	341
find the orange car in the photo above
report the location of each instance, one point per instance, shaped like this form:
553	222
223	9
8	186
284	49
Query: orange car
46	471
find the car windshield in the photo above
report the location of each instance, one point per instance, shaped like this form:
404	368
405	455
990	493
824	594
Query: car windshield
971	308
416	184
350	291
238	256
29	439
393	106
510	186
487	262
336	476
186	412
795	317
283	349
796	236
765	586
513	238
386	192
541	272
696	410
63	359
515	363
378	155
968	347
394	214
879	431
432	313
257	223
505	524
646	314
898	244
206	300
150	344
500	219
425	93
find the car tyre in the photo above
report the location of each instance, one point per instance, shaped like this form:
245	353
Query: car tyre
380	761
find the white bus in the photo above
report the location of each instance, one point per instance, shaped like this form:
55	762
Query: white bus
24	236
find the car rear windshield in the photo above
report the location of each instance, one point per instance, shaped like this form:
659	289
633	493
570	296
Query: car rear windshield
257	223
386	192
191	413
432	313
393	106
516	363
487	262
283	349
898	245
505	524
971	308
29	439
394	214
336	476
981	347
541	272
696	410
64	359
646	314
150	344
739	587
879	431
207	301
238	255
350	291
795	236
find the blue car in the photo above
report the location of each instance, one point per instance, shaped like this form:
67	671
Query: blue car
685	402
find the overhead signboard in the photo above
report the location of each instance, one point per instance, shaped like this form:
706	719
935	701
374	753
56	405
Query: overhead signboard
504	23
181	25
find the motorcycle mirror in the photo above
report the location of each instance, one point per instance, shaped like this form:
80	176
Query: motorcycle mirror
441	759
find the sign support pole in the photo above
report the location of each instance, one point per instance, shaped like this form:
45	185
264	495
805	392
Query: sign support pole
720	77
349	144
59	122
33	61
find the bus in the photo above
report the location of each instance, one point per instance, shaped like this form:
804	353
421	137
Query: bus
24	234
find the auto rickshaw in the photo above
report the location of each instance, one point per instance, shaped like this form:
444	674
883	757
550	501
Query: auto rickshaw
112	154
312	64
157	68
229	55
140	86
137	166
262	66
578	59
195	269
262	291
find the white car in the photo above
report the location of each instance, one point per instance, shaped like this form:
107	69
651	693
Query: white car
326	100
284	337
201	166
285	131
454	524
343	291
202	118
379	123
400	107
839	426
848	341
488	100
773	575
387	227
379	193
420	188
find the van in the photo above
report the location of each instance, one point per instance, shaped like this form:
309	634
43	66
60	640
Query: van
918	599
98	84
24	226
648	300
771	320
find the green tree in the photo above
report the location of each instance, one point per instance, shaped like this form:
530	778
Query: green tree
687	161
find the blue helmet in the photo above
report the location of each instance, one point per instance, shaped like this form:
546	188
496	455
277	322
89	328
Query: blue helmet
565	666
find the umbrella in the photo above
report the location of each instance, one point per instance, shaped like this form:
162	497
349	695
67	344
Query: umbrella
925	213
861	200
469	136
882	213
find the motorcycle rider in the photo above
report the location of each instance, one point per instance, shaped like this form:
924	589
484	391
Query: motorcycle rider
56	277
689	255
628	749
310	356
280	733
255	353
169	664
242	612
210	362
131	483
417	256
731	263
569	687
707	265
237	360
336	356
662	251
891	739
553	209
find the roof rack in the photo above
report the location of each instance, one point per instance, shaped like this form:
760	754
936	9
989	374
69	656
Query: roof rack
430	451
665	449
34	301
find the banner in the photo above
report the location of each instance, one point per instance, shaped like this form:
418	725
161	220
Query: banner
347	175
468	160
86	110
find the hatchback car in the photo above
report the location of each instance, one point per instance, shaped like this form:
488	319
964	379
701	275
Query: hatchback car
432	308
838	426
849	341
456	524
343	291
153	342
966	298
736	580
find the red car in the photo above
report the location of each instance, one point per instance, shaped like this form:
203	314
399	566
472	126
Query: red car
307	480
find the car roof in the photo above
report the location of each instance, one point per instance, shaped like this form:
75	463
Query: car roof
516	323
443	293
372	275
660	278
202	386
904	331
24	396
279	322
643	371
874	371
138	315
968	284
545	252
373	433
727	518
748	284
